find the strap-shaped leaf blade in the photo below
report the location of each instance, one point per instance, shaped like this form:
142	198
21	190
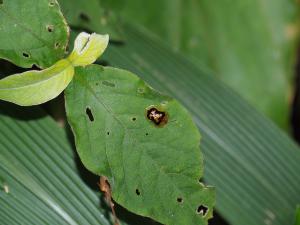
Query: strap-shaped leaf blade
40	178
153	166
251	162
32	32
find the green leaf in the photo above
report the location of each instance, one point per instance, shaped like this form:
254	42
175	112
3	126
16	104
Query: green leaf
91	16
297	221
254	165
32	32
88	48
249	44
36	87
145	144
40	174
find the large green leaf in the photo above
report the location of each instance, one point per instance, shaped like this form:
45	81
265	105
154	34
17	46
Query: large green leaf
145	143
254	165
39	179
249	44
32	32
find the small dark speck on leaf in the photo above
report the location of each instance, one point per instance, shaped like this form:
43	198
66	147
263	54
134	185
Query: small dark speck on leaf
50	28
159	118
51	3
133	119
109	84
84	17
179	200
108	133
56	45
89	114
202	209
147	134
26	55
137	191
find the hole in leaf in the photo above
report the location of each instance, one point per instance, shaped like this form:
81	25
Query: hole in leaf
51	3
56	45
202	209
84	17
137	191
89	114
179	200
26	55
50	28
157	117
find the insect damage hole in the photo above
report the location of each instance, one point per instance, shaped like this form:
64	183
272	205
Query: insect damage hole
50	28
137	191
159	118
26	55
51	3
180	200
89	113
56	45
202	210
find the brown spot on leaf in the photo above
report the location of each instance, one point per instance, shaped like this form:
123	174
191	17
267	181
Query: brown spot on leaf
202	209
159	118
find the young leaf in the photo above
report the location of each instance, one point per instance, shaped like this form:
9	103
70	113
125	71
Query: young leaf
88	48
32	32
36	87
145	143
